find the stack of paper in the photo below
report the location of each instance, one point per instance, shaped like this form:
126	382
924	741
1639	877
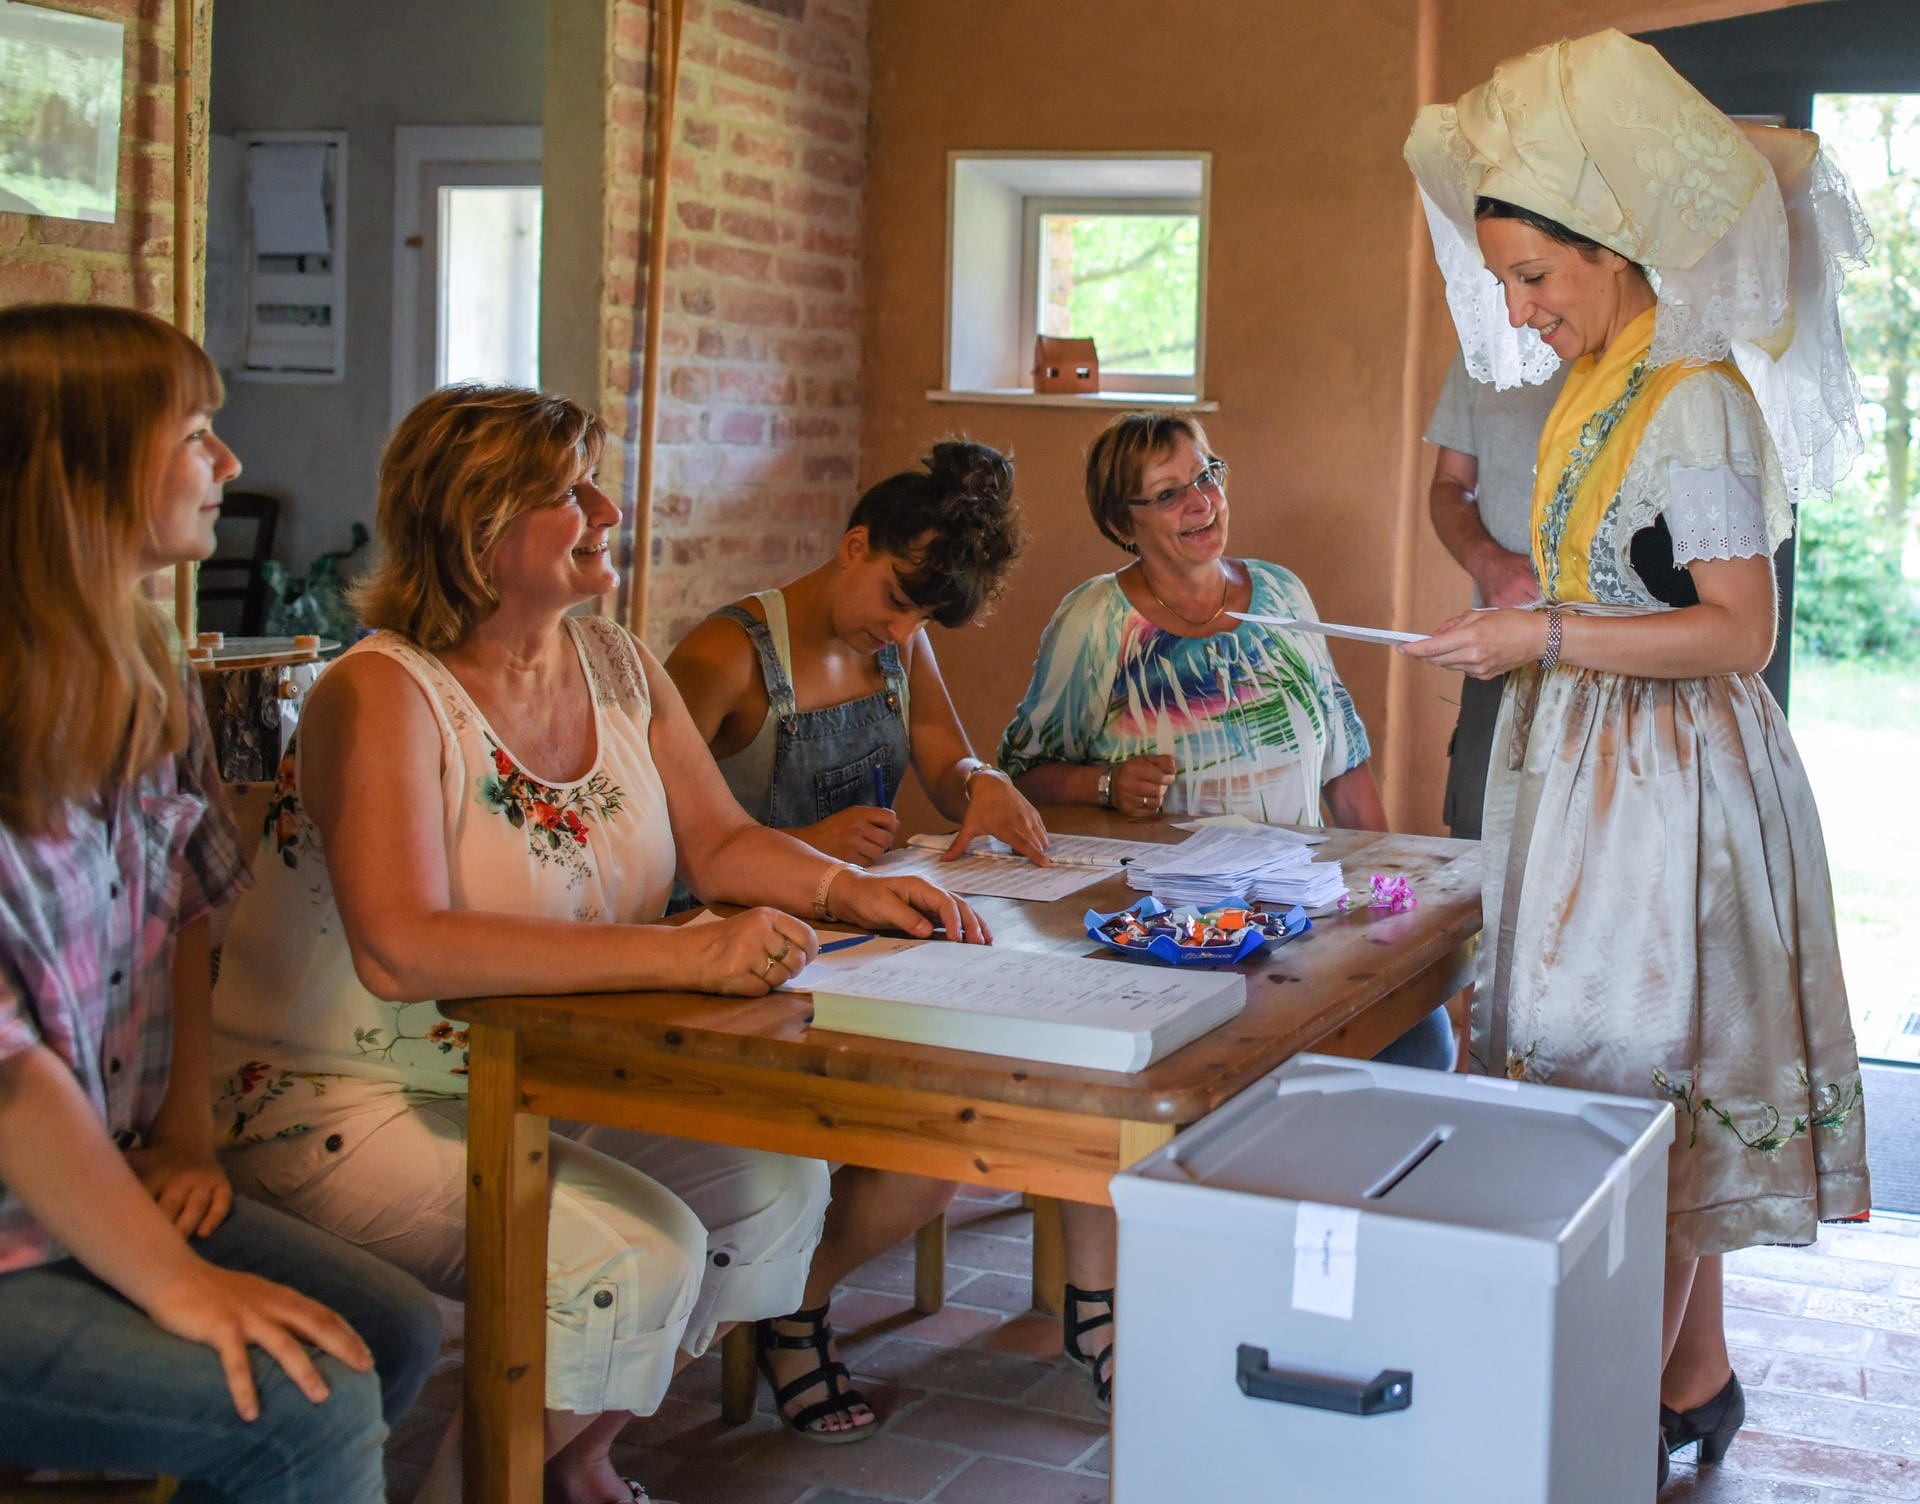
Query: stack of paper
1313	885
1217	866
1030	1004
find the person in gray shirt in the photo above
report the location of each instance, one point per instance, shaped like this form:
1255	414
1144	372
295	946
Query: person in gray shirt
1481	503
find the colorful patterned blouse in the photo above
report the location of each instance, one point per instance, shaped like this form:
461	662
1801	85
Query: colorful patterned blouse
1257	719
299	1041
87	922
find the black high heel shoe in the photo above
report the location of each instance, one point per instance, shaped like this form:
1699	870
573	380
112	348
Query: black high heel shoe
1713	1425
828	1375
1074	1326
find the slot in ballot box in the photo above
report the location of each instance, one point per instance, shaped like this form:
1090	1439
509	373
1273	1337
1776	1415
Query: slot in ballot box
1361	1282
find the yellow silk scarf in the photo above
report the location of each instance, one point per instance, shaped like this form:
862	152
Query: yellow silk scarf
1590	439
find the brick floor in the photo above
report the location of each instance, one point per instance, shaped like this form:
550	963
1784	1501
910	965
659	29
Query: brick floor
978	1407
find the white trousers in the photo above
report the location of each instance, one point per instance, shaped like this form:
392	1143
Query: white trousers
652	1242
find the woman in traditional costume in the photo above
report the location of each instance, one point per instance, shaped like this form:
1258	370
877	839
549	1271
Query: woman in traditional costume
1659	918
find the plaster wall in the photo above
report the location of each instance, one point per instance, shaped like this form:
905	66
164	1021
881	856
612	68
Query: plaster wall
363	66
1327	333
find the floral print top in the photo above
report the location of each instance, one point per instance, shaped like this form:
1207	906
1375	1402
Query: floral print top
1257	719
300	1043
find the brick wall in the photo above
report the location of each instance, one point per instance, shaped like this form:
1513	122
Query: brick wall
759	435
130	261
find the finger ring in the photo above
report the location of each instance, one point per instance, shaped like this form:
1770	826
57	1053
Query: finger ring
781	954
766	972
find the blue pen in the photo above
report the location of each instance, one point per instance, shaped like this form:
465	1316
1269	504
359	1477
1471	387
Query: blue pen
851	940
880	788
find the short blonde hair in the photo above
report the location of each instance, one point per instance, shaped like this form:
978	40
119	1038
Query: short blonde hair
1119	458
461	466
95	693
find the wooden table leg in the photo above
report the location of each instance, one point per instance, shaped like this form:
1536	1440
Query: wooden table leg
1138	1140
1049	1258
738	1375
930	1266
506	1331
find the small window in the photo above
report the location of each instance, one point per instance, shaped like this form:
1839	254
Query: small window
1106	248
1125	276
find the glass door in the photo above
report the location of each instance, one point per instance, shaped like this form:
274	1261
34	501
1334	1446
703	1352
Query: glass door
1855	706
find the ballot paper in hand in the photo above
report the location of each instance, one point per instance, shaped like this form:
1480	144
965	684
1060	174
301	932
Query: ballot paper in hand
1332	629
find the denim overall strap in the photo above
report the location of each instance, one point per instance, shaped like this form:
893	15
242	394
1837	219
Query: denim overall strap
772	670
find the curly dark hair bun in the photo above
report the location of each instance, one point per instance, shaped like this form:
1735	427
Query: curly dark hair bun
952	526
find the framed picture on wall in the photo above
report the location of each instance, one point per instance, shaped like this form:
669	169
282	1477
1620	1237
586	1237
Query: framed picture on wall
60	80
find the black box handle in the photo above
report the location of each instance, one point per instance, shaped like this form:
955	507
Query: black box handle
1390	1389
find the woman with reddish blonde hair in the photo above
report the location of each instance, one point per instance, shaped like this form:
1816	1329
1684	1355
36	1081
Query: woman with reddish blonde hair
134	1287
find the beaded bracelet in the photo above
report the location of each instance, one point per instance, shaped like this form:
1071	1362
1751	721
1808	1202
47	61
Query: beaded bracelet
1550	659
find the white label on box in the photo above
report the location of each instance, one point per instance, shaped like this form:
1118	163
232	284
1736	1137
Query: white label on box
1325	1240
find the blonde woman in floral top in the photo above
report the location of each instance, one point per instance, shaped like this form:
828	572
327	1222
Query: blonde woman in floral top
492	796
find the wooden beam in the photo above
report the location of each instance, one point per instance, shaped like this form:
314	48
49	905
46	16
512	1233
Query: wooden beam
668	18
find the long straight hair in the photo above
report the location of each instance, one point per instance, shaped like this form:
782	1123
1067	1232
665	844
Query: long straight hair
93	693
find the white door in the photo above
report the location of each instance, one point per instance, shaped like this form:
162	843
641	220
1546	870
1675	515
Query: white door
466	276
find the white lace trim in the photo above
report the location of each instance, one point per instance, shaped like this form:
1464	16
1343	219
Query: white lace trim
1706	427
1493	349
1737	290
1714	514
1809	395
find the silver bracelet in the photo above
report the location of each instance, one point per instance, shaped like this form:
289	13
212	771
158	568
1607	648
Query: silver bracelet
1550	659
1106	788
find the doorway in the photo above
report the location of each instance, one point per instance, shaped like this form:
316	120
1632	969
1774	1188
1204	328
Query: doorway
466	258
1855	709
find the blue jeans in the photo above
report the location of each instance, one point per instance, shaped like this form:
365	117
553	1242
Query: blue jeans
88	1382
1427	1046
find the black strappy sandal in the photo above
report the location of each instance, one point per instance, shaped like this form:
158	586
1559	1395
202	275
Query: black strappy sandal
827	1373
1074	1326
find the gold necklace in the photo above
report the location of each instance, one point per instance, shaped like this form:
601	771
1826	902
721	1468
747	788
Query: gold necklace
1226	589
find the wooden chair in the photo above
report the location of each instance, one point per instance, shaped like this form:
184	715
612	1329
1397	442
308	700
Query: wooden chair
19	1488
231	593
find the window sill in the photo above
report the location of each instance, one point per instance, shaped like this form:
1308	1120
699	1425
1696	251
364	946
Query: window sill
1014	396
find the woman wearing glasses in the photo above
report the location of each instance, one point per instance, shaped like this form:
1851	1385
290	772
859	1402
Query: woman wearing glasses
1148	696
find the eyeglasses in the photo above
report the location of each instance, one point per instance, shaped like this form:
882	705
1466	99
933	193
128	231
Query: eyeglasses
1212	478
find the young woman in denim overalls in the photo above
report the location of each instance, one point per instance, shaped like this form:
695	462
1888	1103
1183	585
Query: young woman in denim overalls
815	699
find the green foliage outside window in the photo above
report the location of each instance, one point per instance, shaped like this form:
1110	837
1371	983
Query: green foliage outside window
1850	598
1130	282
1855	586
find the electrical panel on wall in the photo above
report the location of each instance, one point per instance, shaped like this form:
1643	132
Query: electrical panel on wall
276	255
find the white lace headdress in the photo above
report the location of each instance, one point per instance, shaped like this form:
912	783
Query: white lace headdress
1746	232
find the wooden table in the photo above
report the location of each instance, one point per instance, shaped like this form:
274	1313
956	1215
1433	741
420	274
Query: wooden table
752	1073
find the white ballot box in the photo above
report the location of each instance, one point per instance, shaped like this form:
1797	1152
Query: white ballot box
1374	1285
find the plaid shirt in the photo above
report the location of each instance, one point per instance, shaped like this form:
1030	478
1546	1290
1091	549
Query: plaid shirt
87	922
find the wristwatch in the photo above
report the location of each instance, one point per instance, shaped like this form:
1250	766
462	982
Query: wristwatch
1550	659
966	784
1106	788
